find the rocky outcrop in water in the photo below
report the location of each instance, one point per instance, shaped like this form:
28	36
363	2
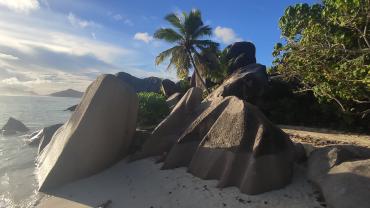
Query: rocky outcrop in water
47	134
43	134
97	135
13	126
149	84
72	108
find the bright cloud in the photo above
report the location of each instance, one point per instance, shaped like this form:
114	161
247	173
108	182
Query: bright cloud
77	22
145	37
4	56
21	6
226	35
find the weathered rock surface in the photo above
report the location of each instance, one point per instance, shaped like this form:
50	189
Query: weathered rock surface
13	126
173	100
47	134
233	142
170	129
149	84
343	175
37	137
97	135
247	83
240	54
72	108
169	87
223	138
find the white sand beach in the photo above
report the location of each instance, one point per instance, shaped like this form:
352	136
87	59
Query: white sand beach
142	184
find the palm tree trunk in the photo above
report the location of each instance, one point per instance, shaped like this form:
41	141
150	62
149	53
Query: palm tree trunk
197	72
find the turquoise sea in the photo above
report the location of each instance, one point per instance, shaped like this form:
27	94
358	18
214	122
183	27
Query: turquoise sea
18	187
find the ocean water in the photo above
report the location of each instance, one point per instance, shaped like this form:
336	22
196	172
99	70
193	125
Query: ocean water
18	186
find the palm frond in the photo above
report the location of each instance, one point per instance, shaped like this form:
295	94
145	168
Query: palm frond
203	44
202	31
165	54
175	21
193	22
168	35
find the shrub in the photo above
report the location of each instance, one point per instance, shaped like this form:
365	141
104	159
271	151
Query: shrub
152	108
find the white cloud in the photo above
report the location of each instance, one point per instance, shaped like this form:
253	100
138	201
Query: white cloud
145	37
5	56
21	6
226	35
128	22
117	17
77	22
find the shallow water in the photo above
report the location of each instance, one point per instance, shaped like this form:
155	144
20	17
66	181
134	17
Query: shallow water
17	180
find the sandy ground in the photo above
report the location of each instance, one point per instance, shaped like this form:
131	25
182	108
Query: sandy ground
322	137
142	184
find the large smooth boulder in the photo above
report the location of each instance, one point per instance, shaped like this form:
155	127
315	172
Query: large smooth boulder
97	135
47	134
248	83
233	142
13	126
343	175
169	87
149	84
240	54
170	129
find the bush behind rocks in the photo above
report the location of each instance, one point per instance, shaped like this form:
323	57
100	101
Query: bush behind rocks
152	108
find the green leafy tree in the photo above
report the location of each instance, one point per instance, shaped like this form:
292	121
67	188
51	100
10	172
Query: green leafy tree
152	108
326	47
187	35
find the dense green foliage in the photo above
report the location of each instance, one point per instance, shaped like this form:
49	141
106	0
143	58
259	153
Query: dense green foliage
326	47
152	108
187	37
282	106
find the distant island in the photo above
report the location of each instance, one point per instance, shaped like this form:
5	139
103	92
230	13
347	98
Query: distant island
67	93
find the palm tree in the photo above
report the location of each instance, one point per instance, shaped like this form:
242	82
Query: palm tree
186	35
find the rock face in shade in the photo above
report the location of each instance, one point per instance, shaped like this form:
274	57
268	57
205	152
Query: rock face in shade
170	129
233	142
96	136
43	134
13	126
149	84
173	100
343	175
248	83
240	54
169	87
47	134
223	138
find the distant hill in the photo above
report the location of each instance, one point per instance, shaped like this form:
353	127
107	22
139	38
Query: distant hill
67	93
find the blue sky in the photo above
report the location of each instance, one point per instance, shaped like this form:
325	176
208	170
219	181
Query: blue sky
49	45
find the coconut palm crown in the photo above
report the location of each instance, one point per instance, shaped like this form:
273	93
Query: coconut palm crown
186	34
